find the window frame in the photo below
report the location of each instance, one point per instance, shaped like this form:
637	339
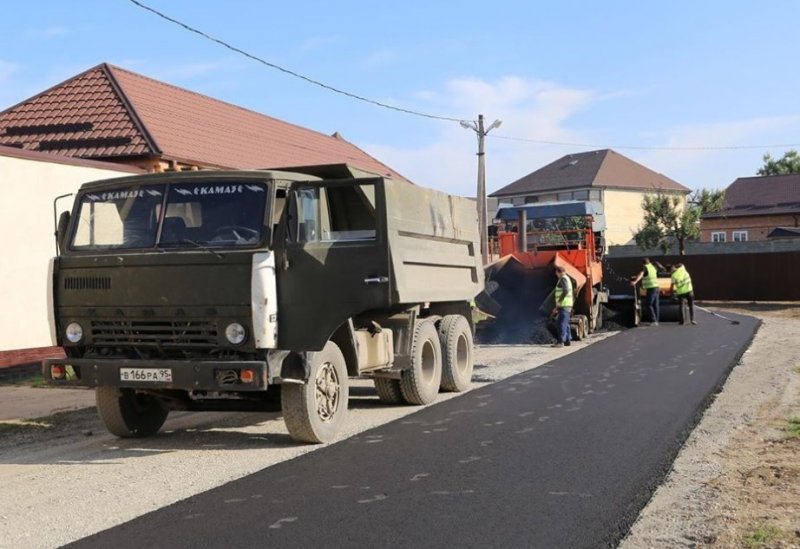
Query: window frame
739	234
715	236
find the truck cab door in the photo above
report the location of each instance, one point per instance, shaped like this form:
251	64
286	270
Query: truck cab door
334	262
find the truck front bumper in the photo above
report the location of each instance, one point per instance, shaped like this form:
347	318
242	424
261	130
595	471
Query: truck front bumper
244	375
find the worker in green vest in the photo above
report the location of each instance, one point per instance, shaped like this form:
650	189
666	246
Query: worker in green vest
565	299
682	287
649	278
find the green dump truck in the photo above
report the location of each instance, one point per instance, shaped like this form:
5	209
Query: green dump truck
253	290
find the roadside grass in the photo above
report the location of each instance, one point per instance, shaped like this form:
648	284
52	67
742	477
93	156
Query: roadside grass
793	428
762	536
32	380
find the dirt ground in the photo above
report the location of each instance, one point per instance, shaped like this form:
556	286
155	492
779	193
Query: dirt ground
736	482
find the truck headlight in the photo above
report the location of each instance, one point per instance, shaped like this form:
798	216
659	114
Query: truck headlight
74	332
235	333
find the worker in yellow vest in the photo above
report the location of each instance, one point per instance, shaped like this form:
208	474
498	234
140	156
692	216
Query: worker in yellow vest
682	287
649	278
565	299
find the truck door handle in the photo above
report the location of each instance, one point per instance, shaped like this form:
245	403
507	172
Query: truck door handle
376	280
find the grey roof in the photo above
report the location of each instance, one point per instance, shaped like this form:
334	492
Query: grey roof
761	195
785	232
600	169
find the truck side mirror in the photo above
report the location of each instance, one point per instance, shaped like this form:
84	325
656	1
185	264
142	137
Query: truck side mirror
61	231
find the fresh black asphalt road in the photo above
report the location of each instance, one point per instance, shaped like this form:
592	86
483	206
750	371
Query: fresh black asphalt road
565	455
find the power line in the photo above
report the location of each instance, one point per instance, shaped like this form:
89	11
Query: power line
291	72
439	117
645	148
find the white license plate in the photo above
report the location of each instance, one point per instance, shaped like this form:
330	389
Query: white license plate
146	374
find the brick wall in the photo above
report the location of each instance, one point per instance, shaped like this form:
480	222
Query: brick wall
28	356
757	227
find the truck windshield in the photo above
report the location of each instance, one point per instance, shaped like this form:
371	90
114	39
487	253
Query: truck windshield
213	214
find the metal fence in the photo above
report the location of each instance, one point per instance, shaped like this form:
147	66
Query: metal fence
768	276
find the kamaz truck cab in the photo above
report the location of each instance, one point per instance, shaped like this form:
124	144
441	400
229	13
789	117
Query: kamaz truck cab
239	290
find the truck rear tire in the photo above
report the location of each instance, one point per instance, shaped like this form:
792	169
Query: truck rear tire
389	390
315	411
420	383
455	336
127	414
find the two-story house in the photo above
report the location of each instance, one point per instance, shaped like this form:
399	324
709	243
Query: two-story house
756	208
606	176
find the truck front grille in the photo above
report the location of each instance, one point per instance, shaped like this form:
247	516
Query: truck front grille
198	334
87	283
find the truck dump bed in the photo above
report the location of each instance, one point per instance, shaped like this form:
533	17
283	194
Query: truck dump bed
434	244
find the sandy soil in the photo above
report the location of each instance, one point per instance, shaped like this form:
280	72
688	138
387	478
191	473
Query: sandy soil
736	482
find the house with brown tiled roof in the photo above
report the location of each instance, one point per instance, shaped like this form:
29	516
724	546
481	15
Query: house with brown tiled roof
605	176
756	208
115	115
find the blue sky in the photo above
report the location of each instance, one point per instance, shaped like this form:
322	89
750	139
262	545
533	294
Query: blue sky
646	74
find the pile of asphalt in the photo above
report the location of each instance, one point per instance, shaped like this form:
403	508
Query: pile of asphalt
616	320
520	328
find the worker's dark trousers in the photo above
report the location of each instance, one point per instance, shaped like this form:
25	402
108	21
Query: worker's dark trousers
690	299
563	324
652	304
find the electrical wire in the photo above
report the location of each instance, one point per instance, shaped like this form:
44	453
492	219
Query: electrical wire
291	72
438	117
643	147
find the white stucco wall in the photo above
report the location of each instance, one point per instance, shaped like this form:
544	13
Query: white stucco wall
27	190
624	214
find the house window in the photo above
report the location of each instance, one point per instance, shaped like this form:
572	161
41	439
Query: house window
594	194
740	236
518	201
718	236
581	195
564	196
531	199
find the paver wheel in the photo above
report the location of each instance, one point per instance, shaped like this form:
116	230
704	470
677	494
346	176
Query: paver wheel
420	383
389	390
128	414
601	313
455	336
315	410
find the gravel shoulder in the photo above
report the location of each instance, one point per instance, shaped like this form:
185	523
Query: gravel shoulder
69	462
736	482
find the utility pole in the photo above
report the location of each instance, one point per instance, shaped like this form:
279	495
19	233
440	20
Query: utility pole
483	222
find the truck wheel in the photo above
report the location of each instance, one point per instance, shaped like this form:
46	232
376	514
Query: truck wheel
314	411
420	383
389	390
455	336
127	414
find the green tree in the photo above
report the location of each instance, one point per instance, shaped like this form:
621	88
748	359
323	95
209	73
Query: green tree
788	164
666	222
708	200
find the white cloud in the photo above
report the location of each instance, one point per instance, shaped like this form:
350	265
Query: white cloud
718	168
545	111
6	71
530	109
380	58
318	42
47	32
